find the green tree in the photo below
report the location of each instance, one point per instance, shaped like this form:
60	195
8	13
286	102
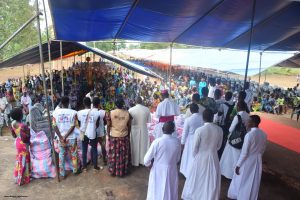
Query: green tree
13	14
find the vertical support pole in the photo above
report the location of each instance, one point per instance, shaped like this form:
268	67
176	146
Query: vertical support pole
265	75
45	89
49	56
170	67
23	74
260	57
250	41
62	70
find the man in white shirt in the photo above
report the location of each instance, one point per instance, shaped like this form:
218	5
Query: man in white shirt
4	108
166	111
139	139
26	102
246	180
212	87
89	122
196	100
249	95
101	136
163	155
187	140
64	121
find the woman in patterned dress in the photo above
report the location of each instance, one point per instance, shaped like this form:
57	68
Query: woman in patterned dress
22	134
119	126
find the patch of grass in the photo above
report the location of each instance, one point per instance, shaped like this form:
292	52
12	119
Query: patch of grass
282	71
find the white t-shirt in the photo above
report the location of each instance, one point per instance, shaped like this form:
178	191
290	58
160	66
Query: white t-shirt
100	129
26	101
94	115
3	103
64	119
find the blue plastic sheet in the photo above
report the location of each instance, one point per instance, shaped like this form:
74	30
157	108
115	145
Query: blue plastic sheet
212	23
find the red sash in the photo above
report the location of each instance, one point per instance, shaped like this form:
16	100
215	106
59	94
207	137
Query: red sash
166	118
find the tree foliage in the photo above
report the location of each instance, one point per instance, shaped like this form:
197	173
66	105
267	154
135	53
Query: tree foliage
13	14
108	45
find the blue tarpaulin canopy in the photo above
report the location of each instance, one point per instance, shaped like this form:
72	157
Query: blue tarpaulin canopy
213	23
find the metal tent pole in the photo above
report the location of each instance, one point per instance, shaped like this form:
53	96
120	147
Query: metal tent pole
49	55
250	41
62	70
45	89
170	67
24	74
260	57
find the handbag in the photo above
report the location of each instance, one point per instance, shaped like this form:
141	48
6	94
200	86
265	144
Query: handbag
236	138
82	132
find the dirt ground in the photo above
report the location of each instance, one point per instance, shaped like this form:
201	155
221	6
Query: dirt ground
280	179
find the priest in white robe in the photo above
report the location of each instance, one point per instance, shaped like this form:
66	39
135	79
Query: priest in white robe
204	179
163	155
139	139
246	180
187	140
166	111
231	155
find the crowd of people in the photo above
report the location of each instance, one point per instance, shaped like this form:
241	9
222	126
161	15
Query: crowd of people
97	104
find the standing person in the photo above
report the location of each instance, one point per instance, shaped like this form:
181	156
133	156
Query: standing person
190	125
249	95
207	102
89	122
139	138
246	180
204	179
26	102
223	118
166	111
212	87
195	100
64	120
231	154
101	129
118	129
22	134
163	156
4	108
202	84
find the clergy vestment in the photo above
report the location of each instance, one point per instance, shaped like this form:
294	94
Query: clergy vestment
230	154
190	125
166	111
163	178
246	185
139	138
204	179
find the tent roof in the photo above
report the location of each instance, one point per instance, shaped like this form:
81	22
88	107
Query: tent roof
213	23
293	62
32	56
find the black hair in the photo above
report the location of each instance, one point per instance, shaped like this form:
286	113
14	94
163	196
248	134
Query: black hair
168	127
87	102
247	85
194	108
204	91
196	97
241	106
65	101
228	96
242	95
255	119
165	95
16	114
96	102
218	93
208	115
120	103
